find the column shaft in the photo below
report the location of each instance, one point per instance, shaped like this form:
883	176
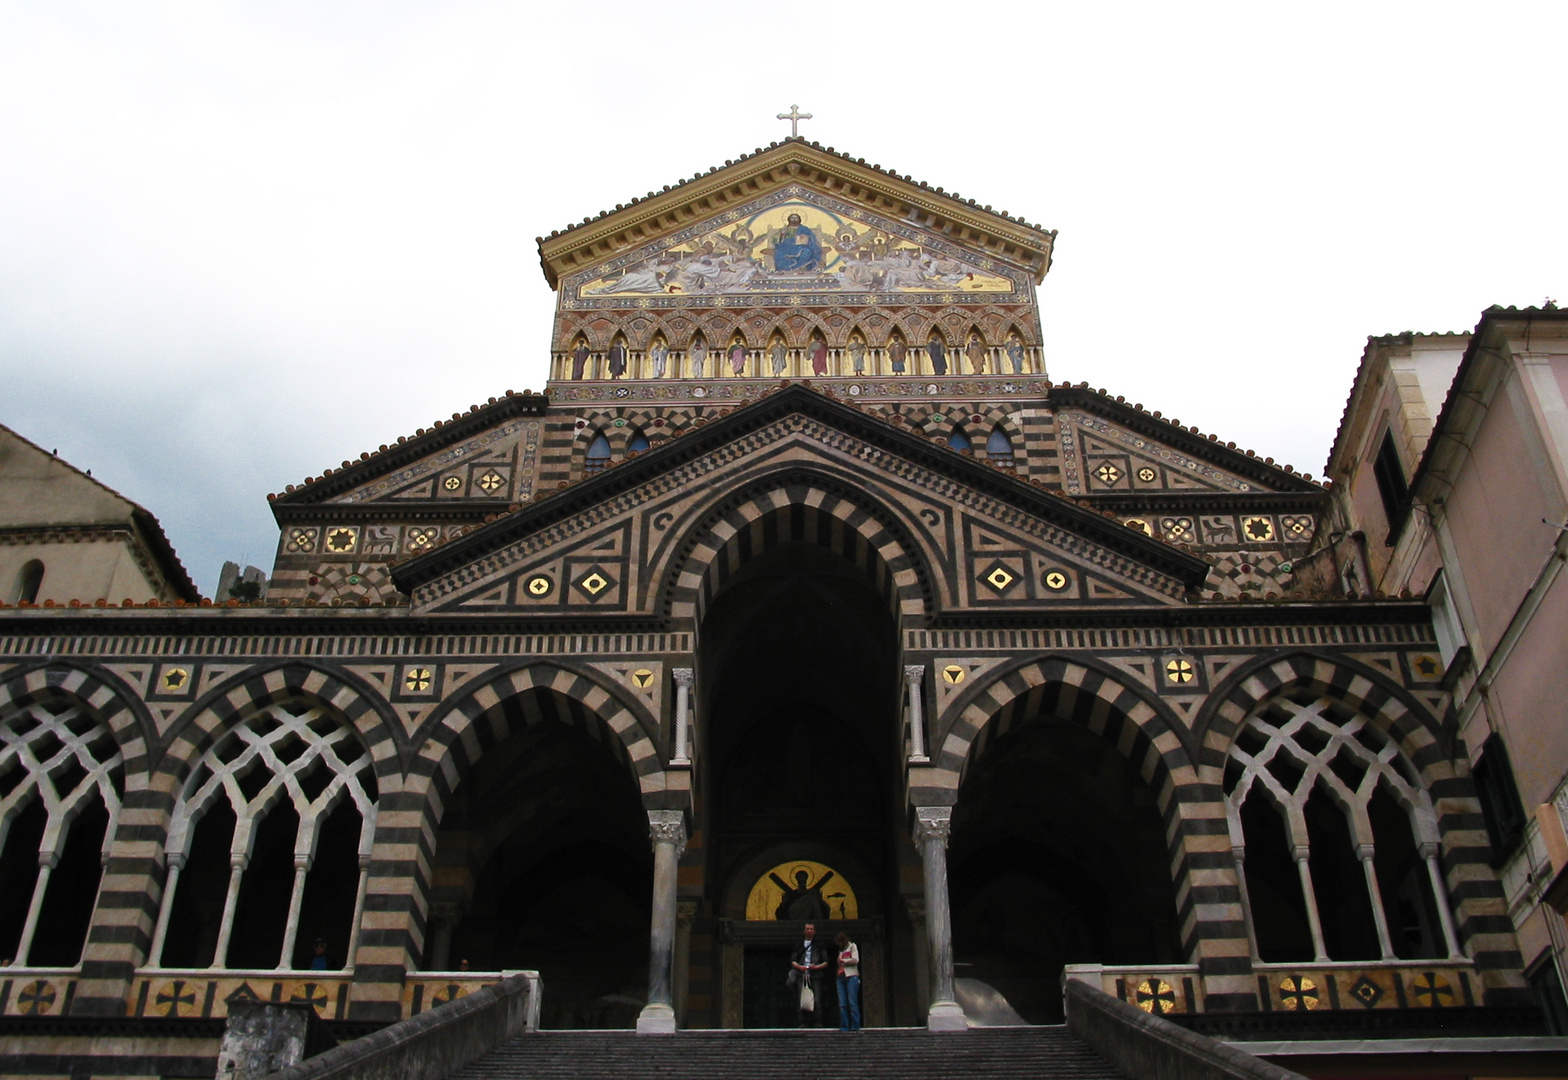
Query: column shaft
932	825
914	679
667	831
1310	896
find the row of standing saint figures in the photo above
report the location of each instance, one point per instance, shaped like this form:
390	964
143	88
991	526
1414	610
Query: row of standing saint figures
776	356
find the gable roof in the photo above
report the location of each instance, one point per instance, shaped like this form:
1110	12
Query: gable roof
795	160
377	463
1464	398
1226	455
114	509
1045	503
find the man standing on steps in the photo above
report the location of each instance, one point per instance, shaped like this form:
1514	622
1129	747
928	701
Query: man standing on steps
810	965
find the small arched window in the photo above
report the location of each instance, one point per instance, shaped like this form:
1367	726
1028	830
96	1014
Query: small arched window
999	448
598	454
638	444
959	441
28	581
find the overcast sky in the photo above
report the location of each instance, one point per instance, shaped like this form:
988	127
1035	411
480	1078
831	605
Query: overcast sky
242	242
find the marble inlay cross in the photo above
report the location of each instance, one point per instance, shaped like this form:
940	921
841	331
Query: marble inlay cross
794	116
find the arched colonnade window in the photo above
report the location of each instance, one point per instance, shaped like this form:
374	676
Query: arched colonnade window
269	846
61	785
1335	838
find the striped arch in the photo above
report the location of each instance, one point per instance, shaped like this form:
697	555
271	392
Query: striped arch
1349	682
797	505
455	737
1208	895
229	703
117	705
1475	893
449	744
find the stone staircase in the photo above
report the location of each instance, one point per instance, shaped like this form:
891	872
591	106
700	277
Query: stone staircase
1039	1053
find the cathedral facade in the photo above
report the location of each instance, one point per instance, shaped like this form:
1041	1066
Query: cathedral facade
801	593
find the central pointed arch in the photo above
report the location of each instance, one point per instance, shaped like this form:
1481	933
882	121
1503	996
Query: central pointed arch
794	505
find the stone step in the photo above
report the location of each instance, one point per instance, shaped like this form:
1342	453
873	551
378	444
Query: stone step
1039	1053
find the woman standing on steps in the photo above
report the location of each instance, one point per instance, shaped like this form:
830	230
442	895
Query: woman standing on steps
848	983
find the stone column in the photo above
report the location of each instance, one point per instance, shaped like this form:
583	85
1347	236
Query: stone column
1366	853
914	680
1440	896
932	826
922	942
681	755
685	915
667	831
1309	894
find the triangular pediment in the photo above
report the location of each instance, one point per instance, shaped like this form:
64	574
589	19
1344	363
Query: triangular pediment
716	202
619	543
790	241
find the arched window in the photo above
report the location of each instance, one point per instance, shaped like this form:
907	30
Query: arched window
1335	838
638	444
598	456
28	580
958	440
269	846
999	448
62	779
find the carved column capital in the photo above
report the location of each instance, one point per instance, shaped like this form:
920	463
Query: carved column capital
668	827
684	676
685	912
913	673
933	823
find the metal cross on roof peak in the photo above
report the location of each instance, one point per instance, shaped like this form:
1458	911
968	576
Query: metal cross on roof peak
794	116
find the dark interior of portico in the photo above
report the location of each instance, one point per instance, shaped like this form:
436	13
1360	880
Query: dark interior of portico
1057	857
798	709
543	862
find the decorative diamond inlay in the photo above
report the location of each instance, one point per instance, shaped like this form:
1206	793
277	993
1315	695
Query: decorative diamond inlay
999	577
1366	991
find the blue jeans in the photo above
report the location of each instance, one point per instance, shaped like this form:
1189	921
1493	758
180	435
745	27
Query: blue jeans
849	1002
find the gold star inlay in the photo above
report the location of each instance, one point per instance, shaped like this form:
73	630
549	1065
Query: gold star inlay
1179	671
1258	528
1139	524
175	678
417	679
491	480
341	540
1108	473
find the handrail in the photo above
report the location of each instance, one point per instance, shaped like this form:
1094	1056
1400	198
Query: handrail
435	1043
1151	1047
